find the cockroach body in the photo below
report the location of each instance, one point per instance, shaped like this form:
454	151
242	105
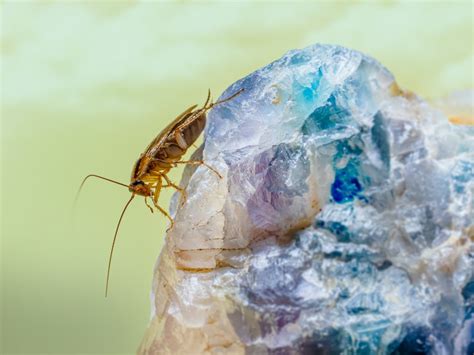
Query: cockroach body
161	155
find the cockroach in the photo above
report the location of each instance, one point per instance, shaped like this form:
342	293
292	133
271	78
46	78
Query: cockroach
161	155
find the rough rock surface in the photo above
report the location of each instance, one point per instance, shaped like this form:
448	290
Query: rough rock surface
343	222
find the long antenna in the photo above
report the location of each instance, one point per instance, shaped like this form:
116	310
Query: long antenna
96	176
113	243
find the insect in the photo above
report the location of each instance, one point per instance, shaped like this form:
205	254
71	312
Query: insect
149	174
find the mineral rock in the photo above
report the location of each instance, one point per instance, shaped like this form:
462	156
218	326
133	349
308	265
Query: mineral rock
342	224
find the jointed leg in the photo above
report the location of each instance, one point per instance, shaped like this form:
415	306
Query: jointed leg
146	197
166	214
146	203
181	191
199	162
156	195
211	105
191	162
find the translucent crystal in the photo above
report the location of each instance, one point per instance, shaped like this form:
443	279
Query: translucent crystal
343	221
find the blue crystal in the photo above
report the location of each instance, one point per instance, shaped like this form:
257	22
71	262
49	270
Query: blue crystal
329	116
387	203
354	204
346	185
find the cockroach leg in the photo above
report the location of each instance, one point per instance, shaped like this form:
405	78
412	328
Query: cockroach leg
156	195
146	203
212	104
166	214
199	162
182	191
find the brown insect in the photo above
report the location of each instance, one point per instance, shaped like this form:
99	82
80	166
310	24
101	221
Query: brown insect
161	155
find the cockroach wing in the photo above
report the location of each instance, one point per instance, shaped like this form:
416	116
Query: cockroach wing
160	138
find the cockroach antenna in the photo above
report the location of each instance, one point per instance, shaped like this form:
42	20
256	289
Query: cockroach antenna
113	244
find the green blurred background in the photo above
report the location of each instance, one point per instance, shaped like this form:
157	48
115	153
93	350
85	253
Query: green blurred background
86	86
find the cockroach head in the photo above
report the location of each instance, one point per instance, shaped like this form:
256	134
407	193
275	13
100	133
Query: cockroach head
138	187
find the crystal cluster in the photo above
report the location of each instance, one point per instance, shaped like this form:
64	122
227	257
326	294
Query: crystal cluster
342	224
